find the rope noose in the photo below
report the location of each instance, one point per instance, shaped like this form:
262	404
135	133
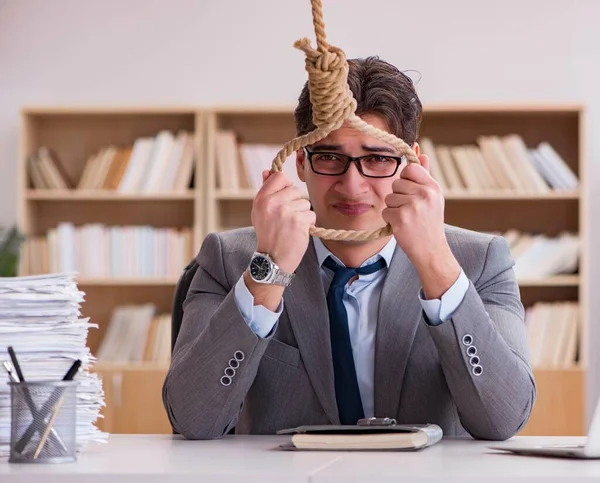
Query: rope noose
332	104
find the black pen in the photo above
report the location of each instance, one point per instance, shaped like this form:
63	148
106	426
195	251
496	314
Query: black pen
13	357
72	371
9	370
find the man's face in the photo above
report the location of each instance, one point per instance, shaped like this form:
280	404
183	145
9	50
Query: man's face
349	201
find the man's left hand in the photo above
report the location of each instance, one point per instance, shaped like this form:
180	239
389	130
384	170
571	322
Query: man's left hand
415	211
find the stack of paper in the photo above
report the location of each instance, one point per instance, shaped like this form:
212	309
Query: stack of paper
40	319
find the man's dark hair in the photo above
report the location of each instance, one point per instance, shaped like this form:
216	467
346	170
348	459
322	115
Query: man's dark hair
379	88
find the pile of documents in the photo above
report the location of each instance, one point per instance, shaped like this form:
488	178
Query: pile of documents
40	318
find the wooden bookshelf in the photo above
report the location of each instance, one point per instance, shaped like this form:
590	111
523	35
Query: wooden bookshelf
561	390
132	391
76	132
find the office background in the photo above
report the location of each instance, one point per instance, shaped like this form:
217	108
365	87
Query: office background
203	53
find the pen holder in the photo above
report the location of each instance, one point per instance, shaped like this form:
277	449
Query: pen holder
43	422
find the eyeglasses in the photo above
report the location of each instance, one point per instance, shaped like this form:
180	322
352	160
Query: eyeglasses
370	166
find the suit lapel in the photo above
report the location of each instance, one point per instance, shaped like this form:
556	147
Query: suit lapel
399	317
306	308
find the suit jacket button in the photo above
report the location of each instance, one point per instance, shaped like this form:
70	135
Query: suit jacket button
474	361
226	380
477	370
467	339
239	356
230	371
471	350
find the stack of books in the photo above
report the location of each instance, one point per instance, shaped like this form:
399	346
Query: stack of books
553	329
40	319
240	165
152	164
98	250
538	256
499	163
136	334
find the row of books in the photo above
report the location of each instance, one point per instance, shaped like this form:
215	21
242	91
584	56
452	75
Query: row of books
553	332
135	334
153	164
138	334
97	250
240	165
499	163
495	163
538	256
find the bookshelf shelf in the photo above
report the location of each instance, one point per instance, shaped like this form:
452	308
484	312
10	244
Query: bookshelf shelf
82	195
511	196
249	194
242	194
138	281
554	281
130	367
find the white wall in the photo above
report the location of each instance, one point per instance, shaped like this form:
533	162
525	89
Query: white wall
240	51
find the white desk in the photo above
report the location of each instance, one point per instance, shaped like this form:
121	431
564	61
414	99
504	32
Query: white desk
245	459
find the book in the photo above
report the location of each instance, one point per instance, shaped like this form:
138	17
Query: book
398	437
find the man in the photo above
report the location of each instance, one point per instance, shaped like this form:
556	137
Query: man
430	330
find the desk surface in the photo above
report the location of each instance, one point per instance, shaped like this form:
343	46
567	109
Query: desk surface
159	458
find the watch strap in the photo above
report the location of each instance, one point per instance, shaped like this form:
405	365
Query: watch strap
283	278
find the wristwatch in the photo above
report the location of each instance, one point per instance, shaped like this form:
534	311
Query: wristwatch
263	269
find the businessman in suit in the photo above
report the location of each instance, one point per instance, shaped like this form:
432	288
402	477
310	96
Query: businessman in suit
282	329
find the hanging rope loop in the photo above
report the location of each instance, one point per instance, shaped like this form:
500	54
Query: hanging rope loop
333	104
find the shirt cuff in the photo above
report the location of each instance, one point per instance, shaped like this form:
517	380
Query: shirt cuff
440	310
260	319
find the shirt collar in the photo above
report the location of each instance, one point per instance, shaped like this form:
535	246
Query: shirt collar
386	252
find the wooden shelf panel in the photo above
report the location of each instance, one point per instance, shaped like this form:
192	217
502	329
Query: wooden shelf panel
554	281
549	216
523	109
548	293
225	195
129	366
118	282
133	400
249	194
129	211
102	195
560	404
511	196
104	109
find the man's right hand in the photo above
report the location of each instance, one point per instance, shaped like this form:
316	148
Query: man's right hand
281	218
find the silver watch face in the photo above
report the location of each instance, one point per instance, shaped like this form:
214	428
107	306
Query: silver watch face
260	267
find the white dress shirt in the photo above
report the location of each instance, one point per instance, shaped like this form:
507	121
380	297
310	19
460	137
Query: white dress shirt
361	300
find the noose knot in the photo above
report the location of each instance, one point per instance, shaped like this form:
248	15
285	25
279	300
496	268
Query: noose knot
330	96
332	104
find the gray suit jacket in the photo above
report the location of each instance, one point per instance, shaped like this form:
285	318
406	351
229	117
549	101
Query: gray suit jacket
423	373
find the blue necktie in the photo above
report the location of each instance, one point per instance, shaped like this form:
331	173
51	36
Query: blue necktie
347	393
